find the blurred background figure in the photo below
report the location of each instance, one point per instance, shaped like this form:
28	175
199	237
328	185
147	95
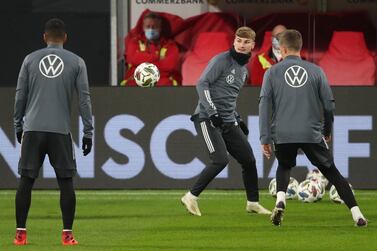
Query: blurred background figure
267	56
153	45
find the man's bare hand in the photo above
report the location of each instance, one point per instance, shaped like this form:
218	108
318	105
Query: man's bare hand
328	139
267	150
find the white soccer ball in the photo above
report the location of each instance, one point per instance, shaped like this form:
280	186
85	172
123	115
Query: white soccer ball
272	187
146	75
334	196
322	187
291	189
309	191
316	174
323	191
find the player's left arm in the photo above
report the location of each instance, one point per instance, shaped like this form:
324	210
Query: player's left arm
22	91
85	106
328	104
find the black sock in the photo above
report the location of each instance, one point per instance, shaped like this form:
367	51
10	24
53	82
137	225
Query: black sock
67	201
282	178
23	200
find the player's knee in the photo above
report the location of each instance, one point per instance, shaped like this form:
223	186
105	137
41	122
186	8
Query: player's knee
286	164
324	163
249	162
329	171
221	161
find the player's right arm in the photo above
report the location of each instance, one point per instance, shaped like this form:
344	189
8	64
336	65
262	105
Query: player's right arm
21	97
265	107
209	76
328	104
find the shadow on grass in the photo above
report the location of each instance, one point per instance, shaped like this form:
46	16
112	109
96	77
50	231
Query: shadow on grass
78	217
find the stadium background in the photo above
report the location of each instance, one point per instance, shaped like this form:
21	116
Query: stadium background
143	138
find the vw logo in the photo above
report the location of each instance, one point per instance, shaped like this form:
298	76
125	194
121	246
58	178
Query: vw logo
51	66
296	76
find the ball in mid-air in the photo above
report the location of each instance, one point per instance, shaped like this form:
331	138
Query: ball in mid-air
146	75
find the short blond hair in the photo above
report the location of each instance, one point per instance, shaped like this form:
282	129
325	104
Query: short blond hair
246	32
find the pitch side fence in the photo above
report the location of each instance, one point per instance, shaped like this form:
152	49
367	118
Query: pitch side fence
145	140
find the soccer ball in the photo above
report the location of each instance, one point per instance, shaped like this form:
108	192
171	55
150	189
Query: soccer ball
146	75
272	187
323	191
334	196
291	189
322	187
309	191
316	174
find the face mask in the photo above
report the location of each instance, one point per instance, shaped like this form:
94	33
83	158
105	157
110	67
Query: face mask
151	34
277	54
275	43
276	49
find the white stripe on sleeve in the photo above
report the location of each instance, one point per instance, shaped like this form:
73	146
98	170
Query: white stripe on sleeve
209	100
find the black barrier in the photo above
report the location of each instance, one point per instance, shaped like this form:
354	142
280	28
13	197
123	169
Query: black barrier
144	139
88	27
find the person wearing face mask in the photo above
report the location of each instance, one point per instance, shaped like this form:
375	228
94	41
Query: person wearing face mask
266	59
153	46
219	125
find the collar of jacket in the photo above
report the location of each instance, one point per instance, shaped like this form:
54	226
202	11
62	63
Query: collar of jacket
241	58
60	46
292	57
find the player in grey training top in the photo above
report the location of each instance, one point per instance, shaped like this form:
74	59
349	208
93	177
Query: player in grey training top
219	125
47	80
298	95
42	119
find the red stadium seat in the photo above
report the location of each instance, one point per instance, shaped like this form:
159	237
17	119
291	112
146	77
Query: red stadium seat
190	29
204	49
348	62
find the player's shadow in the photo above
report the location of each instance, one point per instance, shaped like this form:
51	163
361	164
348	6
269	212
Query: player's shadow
101	216
79	217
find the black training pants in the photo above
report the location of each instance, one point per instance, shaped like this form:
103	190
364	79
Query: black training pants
218	143
321	157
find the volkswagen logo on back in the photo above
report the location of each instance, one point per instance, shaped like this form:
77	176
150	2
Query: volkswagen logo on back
51	66
296	76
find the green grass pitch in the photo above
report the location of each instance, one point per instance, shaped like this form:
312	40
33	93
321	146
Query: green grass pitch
155	220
